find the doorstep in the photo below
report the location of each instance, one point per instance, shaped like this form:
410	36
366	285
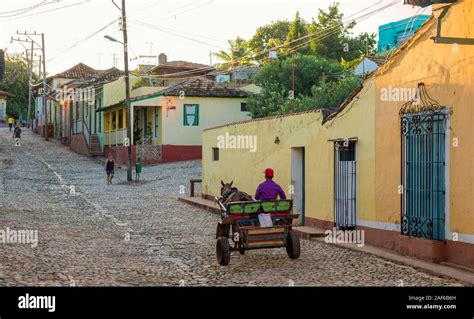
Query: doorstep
308	232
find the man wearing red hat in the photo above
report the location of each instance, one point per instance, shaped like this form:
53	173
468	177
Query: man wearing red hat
269	190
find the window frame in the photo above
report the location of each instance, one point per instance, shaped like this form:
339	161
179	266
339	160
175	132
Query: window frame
215	154
185	114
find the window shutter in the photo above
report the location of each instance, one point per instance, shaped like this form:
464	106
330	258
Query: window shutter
191	115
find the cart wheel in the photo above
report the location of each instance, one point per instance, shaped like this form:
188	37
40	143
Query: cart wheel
293	245
223	251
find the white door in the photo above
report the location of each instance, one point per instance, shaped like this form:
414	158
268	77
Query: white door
297	183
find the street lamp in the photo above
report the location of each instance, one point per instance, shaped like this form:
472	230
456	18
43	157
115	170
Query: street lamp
127	88
108	37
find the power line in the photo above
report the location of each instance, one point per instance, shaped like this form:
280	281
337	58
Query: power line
329	31
164	18
25	10
48	11
175	34
179	31
75	44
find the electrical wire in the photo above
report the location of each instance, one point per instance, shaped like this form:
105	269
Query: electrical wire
48	11
185	11
177	34
26	8
322	34
319	33
75	44
179	31
22	11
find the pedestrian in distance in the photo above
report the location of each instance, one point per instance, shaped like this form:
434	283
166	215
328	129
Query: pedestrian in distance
110	167
11	120
17	135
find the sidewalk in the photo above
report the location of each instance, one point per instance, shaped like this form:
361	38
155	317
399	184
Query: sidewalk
442	270
316	234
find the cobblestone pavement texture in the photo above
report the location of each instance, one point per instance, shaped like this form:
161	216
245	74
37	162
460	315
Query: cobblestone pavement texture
141	235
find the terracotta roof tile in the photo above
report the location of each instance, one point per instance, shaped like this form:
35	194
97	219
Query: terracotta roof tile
205	88
79	71
185	65
109	75
379	60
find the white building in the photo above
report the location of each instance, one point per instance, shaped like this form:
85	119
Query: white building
368	64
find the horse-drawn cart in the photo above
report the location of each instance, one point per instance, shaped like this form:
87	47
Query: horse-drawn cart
241	226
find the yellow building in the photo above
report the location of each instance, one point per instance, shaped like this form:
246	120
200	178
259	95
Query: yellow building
167	125
395	160
3	105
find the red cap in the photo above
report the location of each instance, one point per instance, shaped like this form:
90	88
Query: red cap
268	172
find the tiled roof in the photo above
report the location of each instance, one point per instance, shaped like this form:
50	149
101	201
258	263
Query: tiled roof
79	71
379	60
202	87
325	112
197	87
109	75
183	65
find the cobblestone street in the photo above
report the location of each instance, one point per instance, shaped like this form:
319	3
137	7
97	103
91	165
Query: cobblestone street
93	234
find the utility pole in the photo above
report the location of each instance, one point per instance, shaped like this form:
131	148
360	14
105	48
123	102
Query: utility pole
30	67
114	59
45	90
99	54
45	86
127	92
293	82
30	85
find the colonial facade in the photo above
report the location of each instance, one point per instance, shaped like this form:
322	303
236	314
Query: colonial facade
395	160
3	105
167	125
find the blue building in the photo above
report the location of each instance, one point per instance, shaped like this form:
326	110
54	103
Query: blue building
393	33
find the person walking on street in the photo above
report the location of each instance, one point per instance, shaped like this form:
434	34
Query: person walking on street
11	120
17	135
110	167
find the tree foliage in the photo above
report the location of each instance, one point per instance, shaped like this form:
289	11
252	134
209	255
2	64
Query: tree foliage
332	39
16	82
326	52
269	35
298	30
275	78
239	54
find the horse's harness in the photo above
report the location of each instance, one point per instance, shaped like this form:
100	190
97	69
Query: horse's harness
229	192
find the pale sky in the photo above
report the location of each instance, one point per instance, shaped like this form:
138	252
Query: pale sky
171	26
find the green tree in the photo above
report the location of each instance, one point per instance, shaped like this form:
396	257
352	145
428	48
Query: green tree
269	35
298	29
330	94
239	54
332	39
276	82
363	44
16	82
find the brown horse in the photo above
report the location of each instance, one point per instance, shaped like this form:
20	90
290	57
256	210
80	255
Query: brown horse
231	194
